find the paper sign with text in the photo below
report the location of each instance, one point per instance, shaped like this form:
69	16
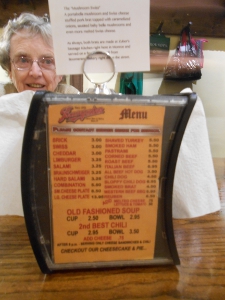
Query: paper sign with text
119	27
104	165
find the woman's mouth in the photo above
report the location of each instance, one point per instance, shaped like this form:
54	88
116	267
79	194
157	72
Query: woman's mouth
36	86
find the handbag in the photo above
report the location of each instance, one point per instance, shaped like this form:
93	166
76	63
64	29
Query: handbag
187	61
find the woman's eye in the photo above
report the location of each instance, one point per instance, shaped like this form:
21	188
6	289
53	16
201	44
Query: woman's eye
47	61
23	59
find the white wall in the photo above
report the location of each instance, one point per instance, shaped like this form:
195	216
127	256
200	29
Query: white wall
211	90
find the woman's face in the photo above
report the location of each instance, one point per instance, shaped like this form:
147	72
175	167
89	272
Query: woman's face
34	78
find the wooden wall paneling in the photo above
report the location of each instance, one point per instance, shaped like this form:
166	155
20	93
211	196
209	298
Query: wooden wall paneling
207	16
77	81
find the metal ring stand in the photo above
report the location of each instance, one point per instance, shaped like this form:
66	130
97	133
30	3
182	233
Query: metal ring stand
100	87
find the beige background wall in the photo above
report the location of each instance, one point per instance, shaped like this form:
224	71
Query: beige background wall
211	89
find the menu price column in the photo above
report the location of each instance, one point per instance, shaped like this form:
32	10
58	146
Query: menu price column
152	173
96	168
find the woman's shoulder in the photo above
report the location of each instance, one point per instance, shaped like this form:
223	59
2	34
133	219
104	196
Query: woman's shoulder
66	89
7	88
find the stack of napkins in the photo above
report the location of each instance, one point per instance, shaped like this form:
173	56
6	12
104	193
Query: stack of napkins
195	191
13	114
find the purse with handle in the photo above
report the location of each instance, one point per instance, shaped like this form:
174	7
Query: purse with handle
187	62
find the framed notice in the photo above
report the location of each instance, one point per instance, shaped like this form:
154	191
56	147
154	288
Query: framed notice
97	177
82	27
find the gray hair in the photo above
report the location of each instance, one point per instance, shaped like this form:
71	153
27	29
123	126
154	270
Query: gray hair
33	24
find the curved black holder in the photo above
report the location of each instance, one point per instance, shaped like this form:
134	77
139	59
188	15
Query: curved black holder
35	177
171	173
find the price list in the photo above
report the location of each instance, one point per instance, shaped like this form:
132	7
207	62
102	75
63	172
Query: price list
104	180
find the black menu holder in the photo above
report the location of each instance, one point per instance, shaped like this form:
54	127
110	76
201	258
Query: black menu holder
97	178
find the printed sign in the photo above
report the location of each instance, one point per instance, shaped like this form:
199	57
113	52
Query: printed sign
104	170
120	28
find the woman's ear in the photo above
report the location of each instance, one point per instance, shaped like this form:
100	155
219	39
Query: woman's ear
9	72
63	79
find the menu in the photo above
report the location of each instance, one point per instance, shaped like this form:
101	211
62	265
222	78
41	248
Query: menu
104	181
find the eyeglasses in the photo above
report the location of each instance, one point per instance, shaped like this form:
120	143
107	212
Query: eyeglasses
23	63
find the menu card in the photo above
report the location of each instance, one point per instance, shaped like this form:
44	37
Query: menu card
104	169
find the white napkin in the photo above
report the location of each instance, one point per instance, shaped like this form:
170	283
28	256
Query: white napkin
13	115
195	189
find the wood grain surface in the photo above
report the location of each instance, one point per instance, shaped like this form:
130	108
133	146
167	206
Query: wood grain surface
201	274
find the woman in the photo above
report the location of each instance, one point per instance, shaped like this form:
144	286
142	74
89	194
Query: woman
27	55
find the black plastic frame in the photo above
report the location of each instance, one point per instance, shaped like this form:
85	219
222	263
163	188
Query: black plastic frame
31	201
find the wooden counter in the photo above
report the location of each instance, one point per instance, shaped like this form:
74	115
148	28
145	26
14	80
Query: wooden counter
201	275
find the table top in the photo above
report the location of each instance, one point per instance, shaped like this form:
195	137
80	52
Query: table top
201	274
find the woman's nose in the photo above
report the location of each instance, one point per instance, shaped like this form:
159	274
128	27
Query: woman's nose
35	70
